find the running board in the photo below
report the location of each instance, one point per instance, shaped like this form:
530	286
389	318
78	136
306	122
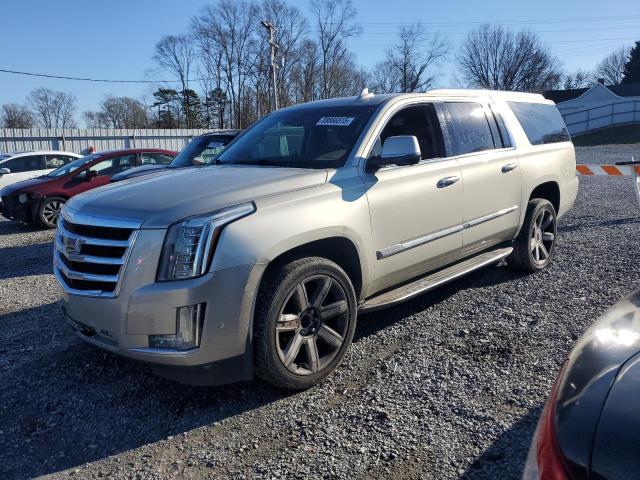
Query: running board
424	284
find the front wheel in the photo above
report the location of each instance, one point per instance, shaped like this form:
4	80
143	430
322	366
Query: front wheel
534	246
304	323
48	212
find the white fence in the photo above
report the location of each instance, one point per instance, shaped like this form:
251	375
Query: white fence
77	140
617	113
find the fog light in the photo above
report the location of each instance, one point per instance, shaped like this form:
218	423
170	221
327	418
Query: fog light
188	330
22	198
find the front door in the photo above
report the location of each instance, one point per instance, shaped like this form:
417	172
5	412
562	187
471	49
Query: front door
102	171
490	174
416	211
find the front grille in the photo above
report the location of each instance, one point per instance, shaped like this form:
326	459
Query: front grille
90	259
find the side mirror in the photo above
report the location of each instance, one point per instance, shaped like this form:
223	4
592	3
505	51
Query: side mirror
4	171
400	150
90	175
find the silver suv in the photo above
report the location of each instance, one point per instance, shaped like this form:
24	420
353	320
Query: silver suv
261	261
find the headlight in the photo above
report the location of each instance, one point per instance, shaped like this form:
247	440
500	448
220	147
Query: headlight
189	245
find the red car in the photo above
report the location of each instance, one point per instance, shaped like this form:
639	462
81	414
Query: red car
39	200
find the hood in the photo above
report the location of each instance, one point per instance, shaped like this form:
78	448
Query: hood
590	372
134	172
24	185
157	201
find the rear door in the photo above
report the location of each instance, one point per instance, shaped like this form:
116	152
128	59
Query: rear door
22	168
490	170
155	158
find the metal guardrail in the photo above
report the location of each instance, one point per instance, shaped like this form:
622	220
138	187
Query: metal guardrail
592	121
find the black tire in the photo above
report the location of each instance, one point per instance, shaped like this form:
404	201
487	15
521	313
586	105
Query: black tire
532	249
47	212
329	330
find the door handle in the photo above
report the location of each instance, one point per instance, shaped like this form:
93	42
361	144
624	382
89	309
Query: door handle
447	181
508	167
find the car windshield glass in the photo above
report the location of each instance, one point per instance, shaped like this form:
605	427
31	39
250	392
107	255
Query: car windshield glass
302	138
70	167
200	151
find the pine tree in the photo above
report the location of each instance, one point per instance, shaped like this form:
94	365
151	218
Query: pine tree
632	67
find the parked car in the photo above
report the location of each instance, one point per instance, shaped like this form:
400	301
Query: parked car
262	261
39	200
15	167
590	423
209	146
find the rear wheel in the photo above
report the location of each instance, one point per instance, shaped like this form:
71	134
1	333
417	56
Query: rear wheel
48	212
304	324
534	247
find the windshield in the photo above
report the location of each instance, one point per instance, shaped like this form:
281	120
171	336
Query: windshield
319	137
70	167
201	150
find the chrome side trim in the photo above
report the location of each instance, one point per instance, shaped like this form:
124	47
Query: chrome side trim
416	242
491	216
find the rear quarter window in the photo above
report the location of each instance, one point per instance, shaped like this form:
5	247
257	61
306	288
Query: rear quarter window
541	122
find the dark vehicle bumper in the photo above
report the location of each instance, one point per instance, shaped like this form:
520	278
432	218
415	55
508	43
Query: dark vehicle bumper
12	209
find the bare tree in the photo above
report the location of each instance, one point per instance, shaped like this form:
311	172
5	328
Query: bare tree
175	54
290	37
578	79
335	21
13	115
53	109
305	75
228	29
118	112
497	58
611	67
408	66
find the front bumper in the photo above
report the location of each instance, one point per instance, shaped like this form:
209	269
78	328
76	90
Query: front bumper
144	307
12	209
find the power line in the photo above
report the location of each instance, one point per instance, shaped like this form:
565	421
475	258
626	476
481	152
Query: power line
63	77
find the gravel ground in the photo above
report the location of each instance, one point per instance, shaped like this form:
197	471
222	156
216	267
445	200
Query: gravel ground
446	386
608	154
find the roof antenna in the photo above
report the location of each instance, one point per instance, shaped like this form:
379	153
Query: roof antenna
365	93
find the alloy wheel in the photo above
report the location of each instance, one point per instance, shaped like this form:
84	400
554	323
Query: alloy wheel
312	325
51	211
543	237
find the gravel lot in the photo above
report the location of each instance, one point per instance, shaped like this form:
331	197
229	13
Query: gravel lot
446	386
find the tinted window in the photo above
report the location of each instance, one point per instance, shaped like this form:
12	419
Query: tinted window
201	150
303	137
541	122
469	128
151	158
57	161
114	165
420	121
24	164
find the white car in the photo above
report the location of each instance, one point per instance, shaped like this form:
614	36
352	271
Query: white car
15	167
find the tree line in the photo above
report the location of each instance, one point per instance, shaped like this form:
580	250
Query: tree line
217	73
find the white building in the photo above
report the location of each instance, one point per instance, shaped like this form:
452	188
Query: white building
586	109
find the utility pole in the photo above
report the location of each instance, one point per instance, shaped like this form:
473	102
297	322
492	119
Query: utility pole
274	51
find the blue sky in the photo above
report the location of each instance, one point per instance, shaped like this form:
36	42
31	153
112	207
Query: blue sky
115	38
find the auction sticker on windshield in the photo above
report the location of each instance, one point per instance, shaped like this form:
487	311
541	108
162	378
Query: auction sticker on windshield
335	121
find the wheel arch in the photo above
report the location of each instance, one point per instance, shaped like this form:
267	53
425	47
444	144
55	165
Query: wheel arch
338	249
550	191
